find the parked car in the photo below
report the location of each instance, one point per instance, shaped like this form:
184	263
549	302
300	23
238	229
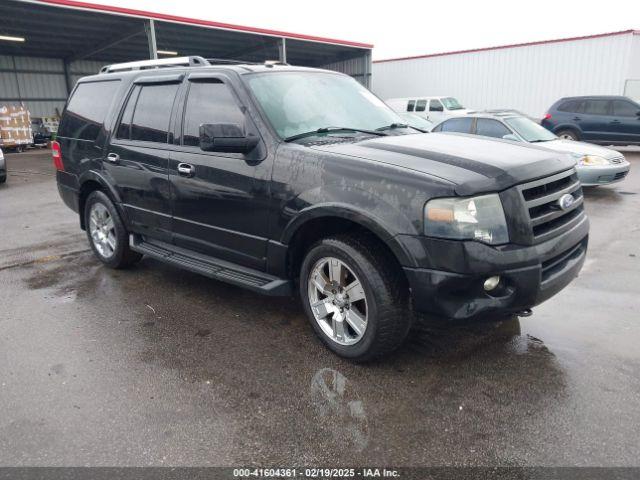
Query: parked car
415	121
595	165
41	134
3	168
606	120
434	109
283	179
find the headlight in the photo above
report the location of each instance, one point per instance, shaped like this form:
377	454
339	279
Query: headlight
478	218
592	160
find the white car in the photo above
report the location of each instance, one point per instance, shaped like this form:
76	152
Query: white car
595	165
3	168
434	109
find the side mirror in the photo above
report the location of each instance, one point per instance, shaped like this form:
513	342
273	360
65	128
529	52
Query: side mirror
511	136
226	137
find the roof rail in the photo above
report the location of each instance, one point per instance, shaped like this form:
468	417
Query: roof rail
193	61
229	61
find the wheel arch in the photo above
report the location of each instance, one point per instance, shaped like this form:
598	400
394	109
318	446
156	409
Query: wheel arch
323	221
90	182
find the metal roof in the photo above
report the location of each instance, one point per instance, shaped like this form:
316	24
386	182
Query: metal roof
515	45
78	30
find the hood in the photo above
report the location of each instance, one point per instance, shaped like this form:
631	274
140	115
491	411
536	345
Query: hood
473	164
578	148
458	113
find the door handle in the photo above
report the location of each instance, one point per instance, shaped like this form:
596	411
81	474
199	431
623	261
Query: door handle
113	157
577	119
186	170
614	121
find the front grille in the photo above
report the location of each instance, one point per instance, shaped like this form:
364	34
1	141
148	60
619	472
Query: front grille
541	197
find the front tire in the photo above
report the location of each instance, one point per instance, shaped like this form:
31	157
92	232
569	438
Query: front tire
355	297
106	232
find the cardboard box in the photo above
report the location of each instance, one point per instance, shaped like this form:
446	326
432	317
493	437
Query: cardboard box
15	126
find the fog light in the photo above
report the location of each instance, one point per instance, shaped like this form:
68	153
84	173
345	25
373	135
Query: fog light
491	283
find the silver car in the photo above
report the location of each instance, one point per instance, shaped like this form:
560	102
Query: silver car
595	165
3	168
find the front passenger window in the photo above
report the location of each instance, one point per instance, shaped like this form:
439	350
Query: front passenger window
436	106
209	101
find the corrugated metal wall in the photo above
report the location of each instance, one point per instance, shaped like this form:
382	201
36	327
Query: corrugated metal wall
39	83
359	68
527	78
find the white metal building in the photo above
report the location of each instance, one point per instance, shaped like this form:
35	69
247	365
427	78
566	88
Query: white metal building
527	77
46	45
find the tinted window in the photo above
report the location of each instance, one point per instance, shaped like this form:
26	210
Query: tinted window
152	113
622	108
421	105
411	105
491	128
461	125
435	106
87	110
209	102
124	129
570	106
597	107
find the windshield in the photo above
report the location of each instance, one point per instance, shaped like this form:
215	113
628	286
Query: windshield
451	103
529	130
299	102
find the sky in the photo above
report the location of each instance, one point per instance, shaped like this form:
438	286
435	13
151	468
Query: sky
408	27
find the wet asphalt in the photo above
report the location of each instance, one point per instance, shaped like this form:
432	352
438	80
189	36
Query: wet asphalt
157	366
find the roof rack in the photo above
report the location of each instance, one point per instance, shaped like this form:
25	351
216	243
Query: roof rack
193	61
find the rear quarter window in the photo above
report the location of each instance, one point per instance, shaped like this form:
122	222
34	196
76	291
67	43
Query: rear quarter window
87	110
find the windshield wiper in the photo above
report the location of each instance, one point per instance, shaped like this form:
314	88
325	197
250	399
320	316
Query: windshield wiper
331	130
393	126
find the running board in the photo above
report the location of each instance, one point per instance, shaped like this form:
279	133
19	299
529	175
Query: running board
212	267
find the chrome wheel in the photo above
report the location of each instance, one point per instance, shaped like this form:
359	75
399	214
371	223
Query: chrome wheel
338	301
102	230
566	136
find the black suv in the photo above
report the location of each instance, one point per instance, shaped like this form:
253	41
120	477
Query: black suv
279	178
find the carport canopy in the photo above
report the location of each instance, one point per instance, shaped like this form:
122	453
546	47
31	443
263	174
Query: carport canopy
75	31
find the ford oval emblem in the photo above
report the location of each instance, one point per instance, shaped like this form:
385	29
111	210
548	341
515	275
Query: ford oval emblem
565	201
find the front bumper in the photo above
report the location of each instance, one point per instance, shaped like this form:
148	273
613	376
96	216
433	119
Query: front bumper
529	275
603	175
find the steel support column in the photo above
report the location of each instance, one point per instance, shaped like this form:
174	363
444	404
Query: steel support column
282	50
150	28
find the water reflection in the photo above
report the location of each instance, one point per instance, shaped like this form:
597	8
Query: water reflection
340	411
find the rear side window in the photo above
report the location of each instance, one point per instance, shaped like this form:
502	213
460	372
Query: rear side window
436	106
597	107
152	113
411	105
421	105
87	110
491	128
571	106
622	108
460	125
209	102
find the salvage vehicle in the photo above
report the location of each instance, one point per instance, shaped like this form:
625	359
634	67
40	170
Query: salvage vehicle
433	109
283	179
601	119
595	165
3	168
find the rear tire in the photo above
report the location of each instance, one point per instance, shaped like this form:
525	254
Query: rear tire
106	232
3	178
355	298
568	135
